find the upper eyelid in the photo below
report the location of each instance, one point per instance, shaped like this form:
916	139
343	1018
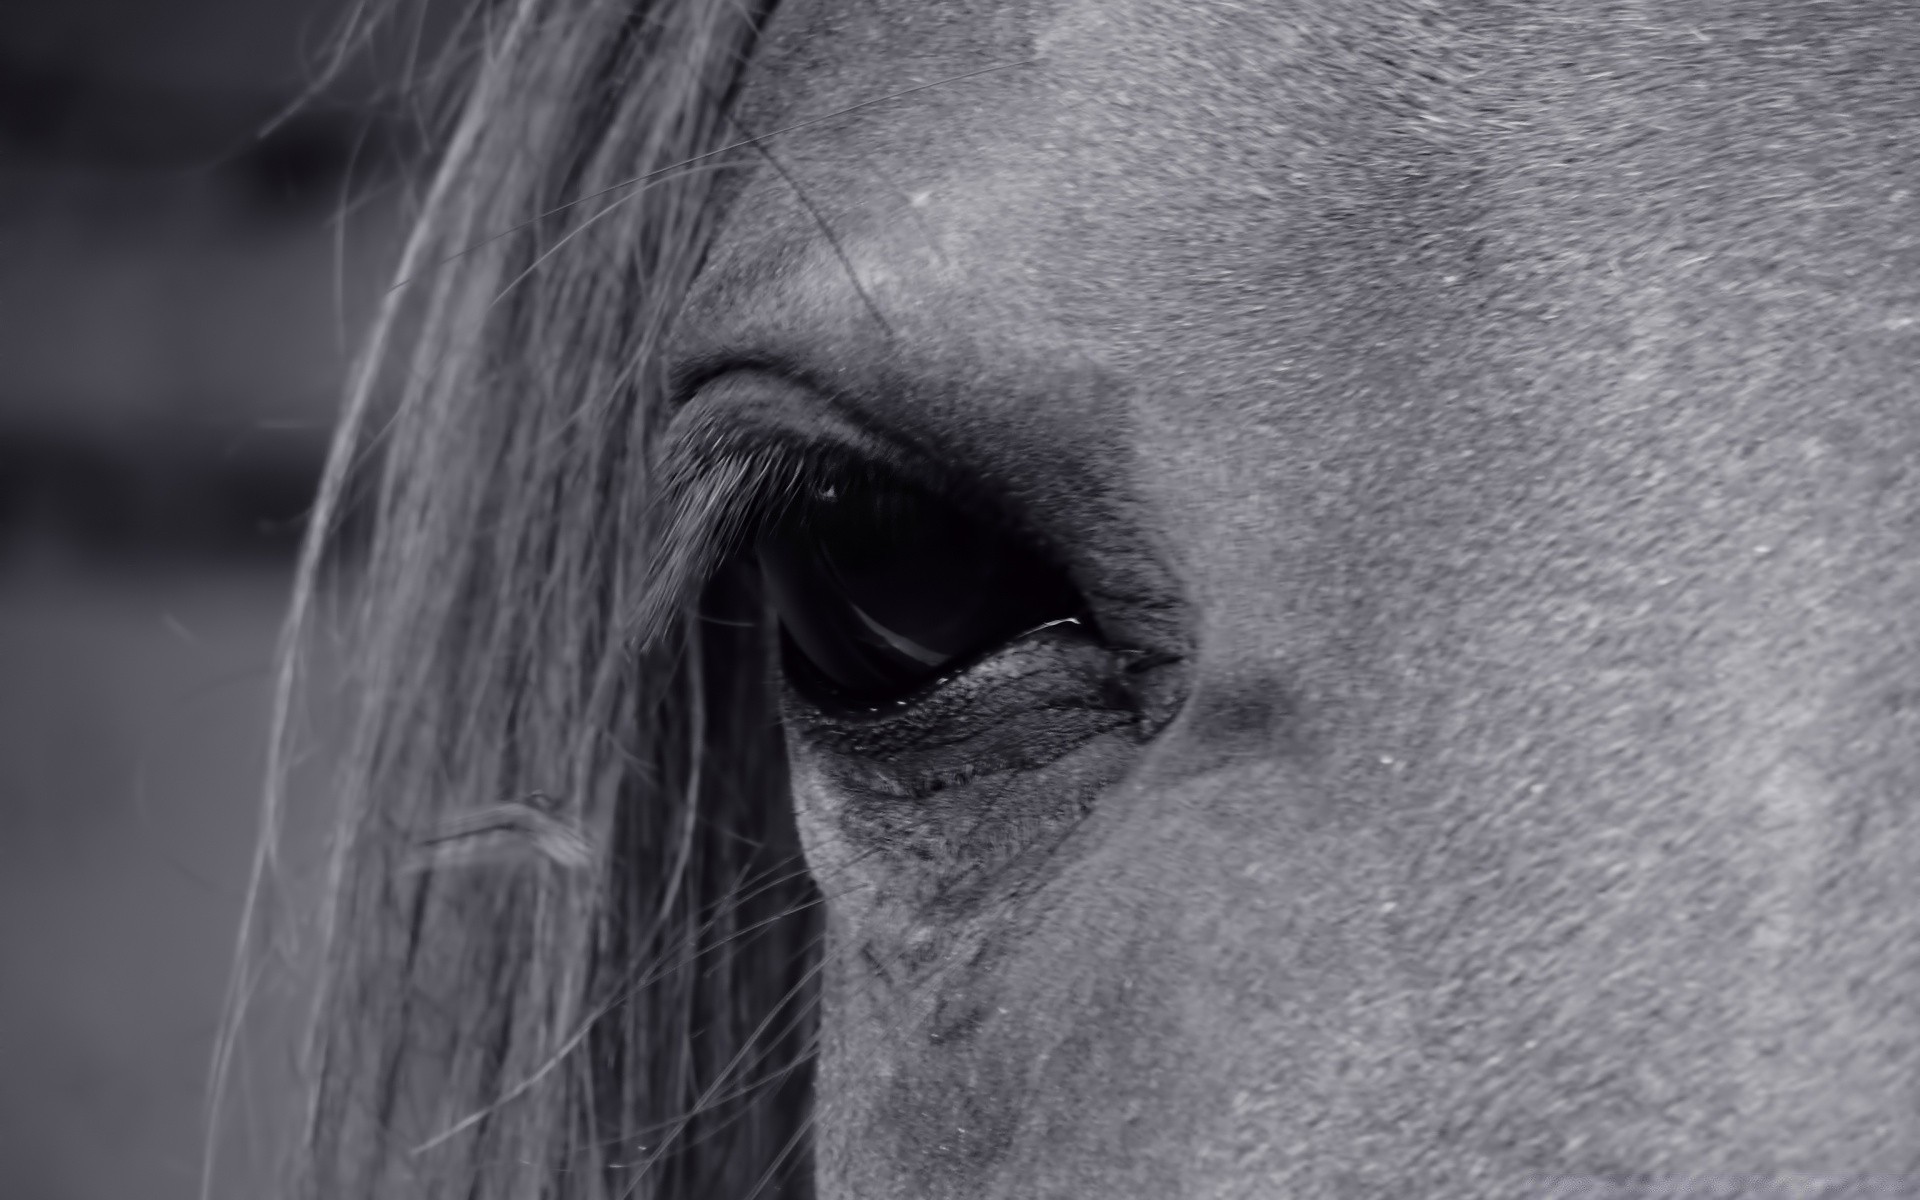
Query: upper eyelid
745	411
730	460
744	445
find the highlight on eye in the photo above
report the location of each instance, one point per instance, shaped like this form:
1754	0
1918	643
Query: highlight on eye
882	587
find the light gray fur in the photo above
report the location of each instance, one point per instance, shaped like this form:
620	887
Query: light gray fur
1507	413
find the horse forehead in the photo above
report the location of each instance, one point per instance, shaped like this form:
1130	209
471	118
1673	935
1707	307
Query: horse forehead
1068	176
1122	109
1179	59
1225	168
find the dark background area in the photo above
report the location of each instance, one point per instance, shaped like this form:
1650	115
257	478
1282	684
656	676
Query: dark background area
192	239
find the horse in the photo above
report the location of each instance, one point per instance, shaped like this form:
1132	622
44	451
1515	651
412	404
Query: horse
1136	598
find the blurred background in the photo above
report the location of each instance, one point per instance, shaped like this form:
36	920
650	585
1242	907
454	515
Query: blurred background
194	229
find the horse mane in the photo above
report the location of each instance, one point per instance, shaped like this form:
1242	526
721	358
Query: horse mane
568	944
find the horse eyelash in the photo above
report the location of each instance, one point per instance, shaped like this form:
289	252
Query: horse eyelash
714	500
722	486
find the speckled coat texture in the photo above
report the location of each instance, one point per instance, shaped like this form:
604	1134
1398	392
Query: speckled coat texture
1498	422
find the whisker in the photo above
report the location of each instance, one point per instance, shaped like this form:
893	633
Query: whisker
827	232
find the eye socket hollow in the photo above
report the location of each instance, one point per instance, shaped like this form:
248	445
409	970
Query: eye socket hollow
882	587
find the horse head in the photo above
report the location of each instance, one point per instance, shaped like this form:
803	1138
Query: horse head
1338	583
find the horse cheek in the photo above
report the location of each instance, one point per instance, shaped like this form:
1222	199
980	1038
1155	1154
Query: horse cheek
898	1001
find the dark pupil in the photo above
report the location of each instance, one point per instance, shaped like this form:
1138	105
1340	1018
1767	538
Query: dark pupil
881	588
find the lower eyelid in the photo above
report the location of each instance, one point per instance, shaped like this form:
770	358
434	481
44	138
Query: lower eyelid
1049	672
949	826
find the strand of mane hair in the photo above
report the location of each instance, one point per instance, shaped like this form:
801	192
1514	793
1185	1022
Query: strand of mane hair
634	1021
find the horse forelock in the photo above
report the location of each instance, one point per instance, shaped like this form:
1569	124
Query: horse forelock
567	952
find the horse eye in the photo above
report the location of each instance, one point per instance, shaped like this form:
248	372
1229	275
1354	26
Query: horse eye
881	588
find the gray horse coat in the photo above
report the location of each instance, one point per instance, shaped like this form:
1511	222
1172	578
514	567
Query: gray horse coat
1489	430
